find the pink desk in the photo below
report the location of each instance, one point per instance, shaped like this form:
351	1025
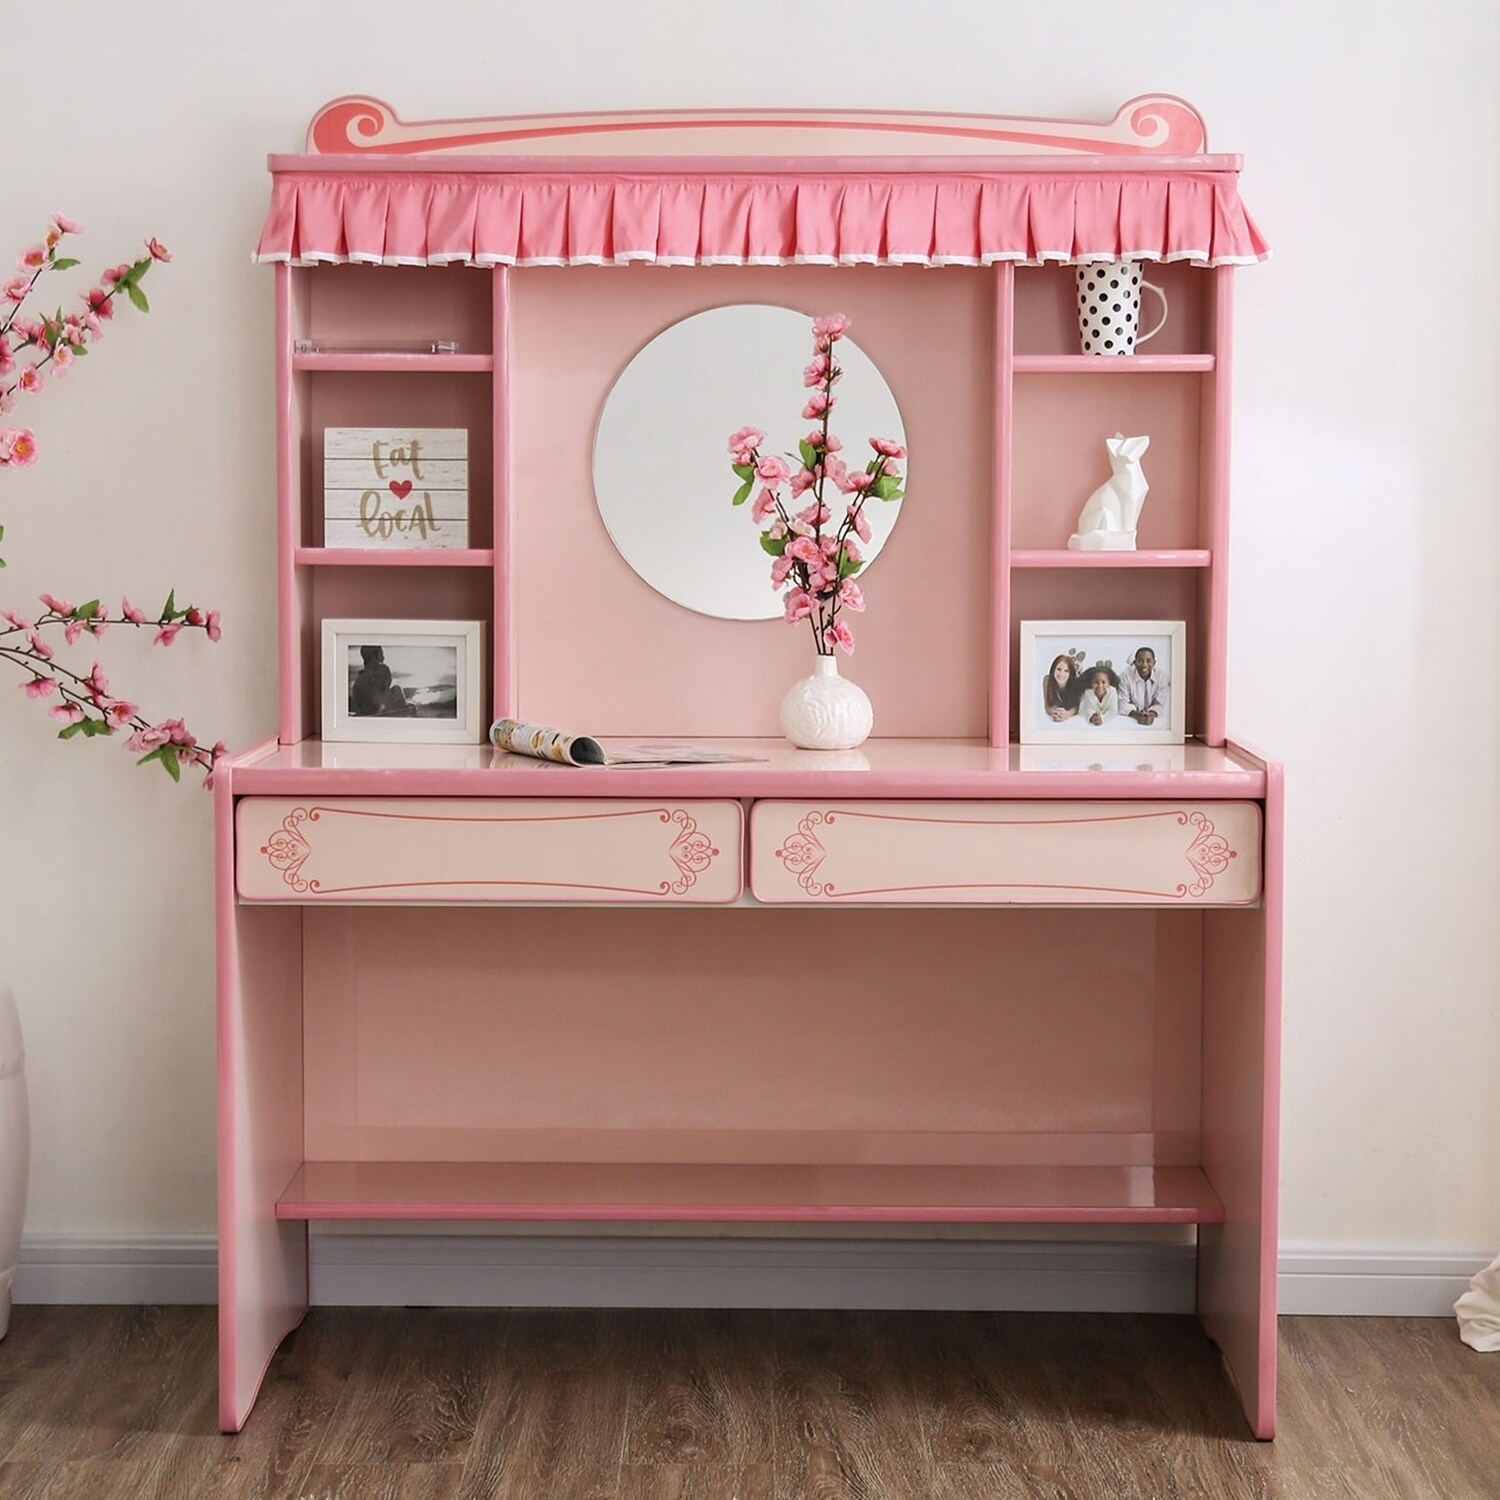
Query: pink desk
521	1040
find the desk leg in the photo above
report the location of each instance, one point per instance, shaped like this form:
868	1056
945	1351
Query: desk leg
1241	1120
262	1263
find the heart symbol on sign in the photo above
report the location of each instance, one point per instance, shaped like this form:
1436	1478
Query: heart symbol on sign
401	488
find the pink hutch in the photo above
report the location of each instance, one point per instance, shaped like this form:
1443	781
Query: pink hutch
440	994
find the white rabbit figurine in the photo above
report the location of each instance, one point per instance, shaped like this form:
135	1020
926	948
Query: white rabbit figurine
1107	523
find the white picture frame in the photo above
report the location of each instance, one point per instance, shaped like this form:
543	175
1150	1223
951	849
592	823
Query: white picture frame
1113	646
414	682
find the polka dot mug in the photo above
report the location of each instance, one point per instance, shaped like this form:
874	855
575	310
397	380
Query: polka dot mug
1109	306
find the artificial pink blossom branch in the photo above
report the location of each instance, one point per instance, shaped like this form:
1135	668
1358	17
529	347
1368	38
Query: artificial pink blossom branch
817	565
84	703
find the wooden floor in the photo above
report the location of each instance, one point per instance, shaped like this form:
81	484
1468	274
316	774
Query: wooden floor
119	1403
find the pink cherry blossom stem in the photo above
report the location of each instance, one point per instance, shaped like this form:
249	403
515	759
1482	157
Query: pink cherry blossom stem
16	307
79	691
799	569
46	359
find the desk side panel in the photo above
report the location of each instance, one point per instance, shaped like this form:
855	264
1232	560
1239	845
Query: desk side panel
1241	1112
262	1263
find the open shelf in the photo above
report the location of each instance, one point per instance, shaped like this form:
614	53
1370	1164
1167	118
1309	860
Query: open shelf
1061	557
375	307
394	557
1098	364
1046	322
1059	459
714	1192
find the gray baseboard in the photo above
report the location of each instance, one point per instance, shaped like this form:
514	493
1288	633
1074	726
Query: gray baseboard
118	1268
1375	1283
621	1271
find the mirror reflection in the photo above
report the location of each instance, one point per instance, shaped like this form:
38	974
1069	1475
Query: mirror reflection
662	477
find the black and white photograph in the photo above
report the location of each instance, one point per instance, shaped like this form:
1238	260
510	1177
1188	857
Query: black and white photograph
411	681
1103	682
399	680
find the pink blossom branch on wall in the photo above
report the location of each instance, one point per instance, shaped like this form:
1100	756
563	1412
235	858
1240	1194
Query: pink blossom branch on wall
36	348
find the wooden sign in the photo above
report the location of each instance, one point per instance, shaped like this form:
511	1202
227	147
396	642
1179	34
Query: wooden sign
396	487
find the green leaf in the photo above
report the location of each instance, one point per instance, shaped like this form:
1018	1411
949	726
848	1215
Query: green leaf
72	729
169	610
150	755
86	611
809	454
743	493
92	728
887	487
137	299
745	471
170	761
775	545
848	567
64	263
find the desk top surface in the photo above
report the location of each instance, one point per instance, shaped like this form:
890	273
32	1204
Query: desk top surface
879	768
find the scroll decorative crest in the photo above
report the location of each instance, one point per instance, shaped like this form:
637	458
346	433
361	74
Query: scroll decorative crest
1209	853
803	853
288	849
1151	125
691	851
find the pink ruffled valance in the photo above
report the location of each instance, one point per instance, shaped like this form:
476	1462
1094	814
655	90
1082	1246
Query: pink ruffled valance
536	219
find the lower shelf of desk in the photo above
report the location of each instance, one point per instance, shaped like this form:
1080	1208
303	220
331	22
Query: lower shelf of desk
741	1194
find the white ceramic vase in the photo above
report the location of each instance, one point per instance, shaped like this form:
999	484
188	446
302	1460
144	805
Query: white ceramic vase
15	1148
826	711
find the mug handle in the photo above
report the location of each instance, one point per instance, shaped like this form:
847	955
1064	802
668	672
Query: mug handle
1151	286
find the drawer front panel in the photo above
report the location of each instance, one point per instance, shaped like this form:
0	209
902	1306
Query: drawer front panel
999	853
404	850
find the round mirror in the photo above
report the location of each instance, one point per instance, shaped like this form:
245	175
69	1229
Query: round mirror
662	475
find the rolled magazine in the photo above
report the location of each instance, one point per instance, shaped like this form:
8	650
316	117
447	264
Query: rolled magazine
543	743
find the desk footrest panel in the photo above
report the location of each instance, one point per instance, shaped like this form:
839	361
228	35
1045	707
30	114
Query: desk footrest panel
393	850
1000	853
707	1192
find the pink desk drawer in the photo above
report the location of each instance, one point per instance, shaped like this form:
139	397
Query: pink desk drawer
406	850
1003	853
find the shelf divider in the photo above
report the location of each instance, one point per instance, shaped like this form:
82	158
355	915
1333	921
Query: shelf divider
394	557
1062	557
373	360
1105	364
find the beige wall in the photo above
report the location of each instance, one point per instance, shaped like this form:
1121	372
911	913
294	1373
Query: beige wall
1364	584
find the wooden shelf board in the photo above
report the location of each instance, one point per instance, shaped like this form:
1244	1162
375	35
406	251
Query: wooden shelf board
390	557
1061	557
741	1193
1104	364
475	364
